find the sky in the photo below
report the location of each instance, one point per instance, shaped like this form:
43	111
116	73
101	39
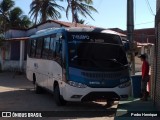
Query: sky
111	13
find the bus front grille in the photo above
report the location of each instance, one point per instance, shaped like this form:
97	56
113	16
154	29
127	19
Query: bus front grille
103	75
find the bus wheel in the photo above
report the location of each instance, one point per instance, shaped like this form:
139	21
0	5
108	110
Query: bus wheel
110	103
38	89
58	98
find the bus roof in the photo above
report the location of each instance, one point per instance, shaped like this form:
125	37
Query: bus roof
99	30
86	29
49	31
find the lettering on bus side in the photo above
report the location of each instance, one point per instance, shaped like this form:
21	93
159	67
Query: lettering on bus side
80	37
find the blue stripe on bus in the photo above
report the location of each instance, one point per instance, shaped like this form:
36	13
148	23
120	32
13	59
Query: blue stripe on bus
100	83
96	83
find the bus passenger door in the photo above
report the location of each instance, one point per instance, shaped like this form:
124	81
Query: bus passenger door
55	68
57	63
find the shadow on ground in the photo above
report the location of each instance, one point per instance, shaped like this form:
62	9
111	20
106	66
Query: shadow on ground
17	94
137	107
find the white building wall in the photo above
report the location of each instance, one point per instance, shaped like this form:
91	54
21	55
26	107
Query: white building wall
15	34
32	31
48	25
15	65
5	50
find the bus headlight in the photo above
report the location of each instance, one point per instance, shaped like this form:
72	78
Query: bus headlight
126	84
76	84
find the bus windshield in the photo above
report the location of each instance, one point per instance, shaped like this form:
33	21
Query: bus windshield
96	51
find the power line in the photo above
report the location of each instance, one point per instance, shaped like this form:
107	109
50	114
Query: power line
144	23
149	7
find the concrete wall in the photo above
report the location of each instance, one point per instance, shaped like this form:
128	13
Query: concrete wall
0	59
13	66
156	70
12	51
152	79
157	80
32	31
15	34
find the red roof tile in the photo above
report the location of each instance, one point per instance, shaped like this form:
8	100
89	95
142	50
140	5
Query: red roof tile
62	23
69	24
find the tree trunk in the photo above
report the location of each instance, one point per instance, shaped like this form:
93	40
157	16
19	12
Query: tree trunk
72	14
36	19
44	17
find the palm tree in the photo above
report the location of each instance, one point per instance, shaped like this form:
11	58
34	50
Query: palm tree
81	21
35	8
5	7
45	9
17	19
49	10
25	21
11	16
83	7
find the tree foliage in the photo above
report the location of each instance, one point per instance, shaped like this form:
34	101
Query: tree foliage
80	7
11	16
45	10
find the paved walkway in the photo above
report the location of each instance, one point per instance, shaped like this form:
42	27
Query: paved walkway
17	94
20	90
136	107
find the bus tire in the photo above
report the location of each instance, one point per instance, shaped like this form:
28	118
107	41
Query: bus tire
110	103
58	98
38	89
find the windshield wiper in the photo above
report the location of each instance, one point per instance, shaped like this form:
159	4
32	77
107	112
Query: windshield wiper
116	61
76	57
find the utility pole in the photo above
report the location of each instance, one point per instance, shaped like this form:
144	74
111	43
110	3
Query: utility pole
130	30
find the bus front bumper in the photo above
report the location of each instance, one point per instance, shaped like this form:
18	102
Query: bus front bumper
71	93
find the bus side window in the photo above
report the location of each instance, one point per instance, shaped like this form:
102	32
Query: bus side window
33	47
58	49
63	54
46	44
39	47
52	47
